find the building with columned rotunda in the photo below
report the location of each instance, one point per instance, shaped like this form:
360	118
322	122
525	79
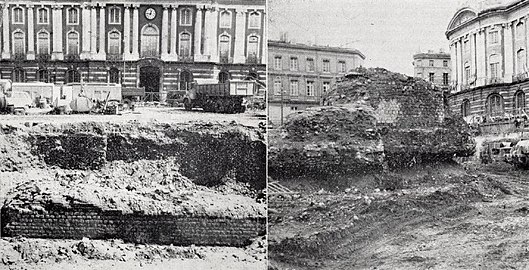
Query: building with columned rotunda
488	46
159	45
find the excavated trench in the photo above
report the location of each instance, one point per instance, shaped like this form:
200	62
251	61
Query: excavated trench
147	183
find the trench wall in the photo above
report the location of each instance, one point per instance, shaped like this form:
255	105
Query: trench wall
88	221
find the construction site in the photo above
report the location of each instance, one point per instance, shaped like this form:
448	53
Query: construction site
387	177
150	188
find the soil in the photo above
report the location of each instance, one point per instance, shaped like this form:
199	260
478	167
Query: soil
442	216
138	181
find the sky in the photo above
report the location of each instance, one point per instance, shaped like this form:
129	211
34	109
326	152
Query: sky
387	32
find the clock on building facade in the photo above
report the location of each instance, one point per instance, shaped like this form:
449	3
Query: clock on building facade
150	13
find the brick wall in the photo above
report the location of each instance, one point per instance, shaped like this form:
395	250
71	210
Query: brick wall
81	220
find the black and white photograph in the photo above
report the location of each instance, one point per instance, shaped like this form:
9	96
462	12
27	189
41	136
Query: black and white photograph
133	134
398	134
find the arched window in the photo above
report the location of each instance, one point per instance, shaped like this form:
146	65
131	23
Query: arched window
72	76
186	16
519	102
149	41
255	20
114	15
225	19
42	75
521	61
18	15
18	75
73	16
224	46
113	75
114	42
277	86
186	78
19	43
42	16
73	43
465	108
253	47
495	105
224	77
43	43
185	44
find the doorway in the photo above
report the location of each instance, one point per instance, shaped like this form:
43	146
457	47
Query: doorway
150	79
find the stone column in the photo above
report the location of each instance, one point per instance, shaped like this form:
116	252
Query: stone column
101	53
453	58
165	33
31	34
93	31
472	45
58	35
263	42
213	35
240	36
135	37
508	55
198	35
126	33
460	64
6	50
85	24
480	58
173	54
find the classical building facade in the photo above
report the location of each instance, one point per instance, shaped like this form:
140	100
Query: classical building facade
433	67
488	47
299	74
159	45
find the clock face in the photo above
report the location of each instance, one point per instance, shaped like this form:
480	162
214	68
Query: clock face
150	13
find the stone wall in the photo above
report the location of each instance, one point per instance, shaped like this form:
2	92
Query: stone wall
84	220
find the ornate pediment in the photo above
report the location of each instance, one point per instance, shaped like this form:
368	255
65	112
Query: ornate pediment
461	17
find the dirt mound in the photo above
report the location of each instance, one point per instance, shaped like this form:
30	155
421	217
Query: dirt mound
326	140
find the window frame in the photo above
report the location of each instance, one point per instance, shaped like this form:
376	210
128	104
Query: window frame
310	89
230	19
258	47
278	65
225	34
38	42
110	71
291	88
69	17
323	84
180	43
68	42
13	17
258	20
294	63
326	63
110	17
47	15
13	40
342	63
431	77
278	81
494	37
431	63
119	41
182	20
311	66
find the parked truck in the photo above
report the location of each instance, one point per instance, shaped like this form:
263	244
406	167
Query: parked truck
13	101
221	97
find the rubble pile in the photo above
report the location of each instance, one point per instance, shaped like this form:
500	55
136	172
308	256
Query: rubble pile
326	140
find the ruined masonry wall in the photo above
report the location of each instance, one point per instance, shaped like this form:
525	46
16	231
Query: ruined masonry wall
88	221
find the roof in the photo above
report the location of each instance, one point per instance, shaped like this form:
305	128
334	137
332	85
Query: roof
301	46
479	6
431	56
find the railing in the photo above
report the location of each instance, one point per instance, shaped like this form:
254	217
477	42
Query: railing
43	57
184	58
520	77
72	57
19	56
114	57
495	80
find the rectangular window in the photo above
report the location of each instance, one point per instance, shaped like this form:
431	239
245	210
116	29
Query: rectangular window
114	15
294	63
431	63
18	15
467	74
419	63
466	46
342	68
445	78
431	77
326	66
42	16
419	75
186	17
254	20
277	63
445	63
326	87
73	16
310	64
310	88
494	70
225	19
277	86
494	37
294	90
